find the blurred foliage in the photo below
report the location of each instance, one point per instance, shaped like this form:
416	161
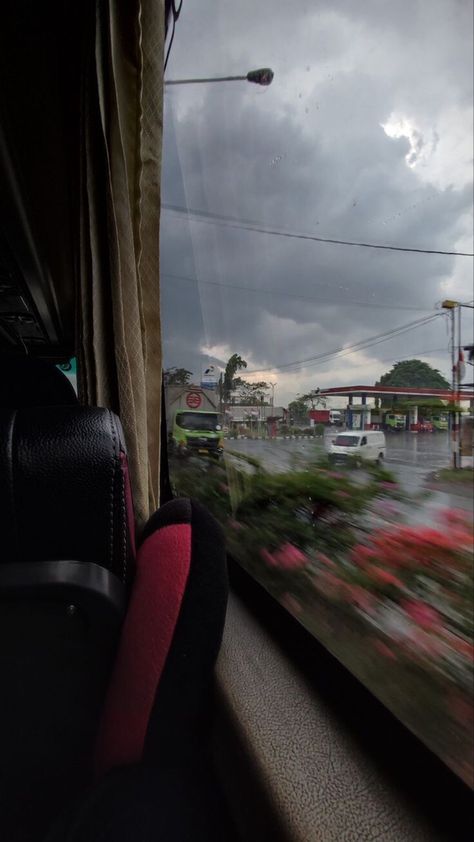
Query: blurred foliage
389	599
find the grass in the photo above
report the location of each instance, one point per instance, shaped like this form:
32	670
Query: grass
464	475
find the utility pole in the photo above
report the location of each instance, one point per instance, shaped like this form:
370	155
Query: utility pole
221	390
451	307
273	396
458	396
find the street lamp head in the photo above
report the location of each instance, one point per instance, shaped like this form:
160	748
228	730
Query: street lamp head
263	76
449	305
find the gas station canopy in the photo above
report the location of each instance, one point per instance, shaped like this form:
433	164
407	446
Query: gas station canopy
392	391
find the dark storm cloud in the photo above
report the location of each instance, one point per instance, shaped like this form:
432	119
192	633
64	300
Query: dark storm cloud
310	155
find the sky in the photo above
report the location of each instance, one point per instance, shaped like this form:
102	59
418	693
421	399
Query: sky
366	134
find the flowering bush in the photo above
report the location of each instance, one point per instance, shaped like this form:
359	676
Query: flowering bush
332	546
415	585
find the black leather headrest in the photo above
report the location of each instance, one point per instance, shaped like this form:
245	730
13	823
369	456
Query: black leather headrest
27	381
64	487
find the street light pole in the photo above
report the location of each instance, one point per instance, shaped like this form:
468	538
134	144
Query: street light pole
458	394
263	76
273	396
451	306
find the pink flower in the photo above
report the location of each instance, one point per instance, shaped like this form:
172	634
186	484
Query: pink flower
455	517
234	524
290	557
422	614
384	577
361	555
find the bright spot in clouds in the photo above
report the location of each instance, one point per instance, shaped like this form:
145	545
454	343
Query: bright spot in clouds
397	127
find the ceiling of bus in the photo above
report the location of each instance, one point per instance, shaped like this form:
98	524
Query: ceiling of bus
40	60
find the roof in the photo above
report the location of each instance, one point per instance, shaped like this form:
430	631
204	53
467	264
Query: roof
418	392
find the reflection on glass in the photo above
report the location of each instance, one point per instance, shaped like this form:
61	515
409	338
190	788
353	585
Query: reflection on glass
310	231
197	421
347	441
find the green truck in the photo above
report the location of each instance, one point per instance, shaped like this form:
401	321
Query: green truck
193	422
440	422
395	421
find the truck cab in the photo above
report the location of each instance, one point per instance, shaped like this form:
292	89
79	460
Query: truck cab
197	431
395	421
440	422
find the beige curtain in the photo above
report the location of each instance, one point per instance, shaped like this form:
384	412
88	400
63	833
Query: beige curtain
119	330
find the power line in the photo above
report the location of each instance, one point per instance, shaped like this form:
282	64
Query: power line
351	349
414	354
233	222
270	291
411	356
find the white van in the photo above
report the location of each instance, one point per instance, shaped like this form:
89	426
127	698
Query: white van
368	445
335	417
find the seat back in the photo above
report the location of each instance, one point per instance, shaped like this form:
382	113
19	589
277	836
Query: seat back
67	559
27	381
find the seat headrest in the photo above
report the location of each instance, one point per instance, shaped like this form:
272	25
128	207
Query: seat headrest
27	381
65	491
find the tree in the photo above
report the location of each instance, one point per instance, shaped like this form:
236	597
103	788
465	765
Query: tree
414	373
177	376
314	398
298	411
234	364
249	394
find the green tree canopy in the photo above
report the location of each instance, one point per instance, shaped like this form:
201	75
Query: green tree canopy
413	373
298	410
177	376
249	394
234	364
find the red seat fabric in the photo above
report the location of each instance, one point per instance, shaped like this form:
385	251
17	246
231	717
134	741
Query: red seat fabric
160	689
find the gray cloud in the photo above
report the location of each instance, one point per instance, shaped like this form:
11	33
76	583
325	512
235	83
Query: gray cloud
310	154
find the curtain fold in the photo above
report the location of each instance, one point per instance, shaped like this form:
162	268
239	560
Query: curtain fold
119	332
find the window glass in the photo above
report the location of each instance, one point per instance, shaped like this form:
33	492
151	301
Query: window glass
316	243
70	370
348	441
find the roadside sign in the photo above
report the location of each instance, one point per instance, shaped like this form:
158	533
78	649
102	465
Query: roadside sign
209	377
193	400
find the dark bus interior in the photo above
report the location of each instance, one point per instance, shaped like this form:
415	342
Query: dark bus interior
116	722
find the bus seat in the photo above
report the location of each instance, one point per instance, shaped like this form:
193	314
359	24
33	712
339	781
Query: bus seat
154	775
67	557
66	494
159	697
28	381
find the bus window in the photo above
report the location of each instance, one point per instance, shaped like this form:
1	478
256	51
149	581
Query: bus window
314	214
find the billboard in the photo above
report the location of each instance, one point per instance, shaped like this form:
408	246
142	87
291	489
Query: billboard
209	377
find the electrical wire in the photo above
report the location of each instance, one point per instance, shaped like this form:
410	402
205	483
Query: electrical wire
319	300
209	218
351	349
175	14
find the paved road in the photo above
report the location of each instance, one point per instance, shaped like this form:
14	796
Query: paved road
410	457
